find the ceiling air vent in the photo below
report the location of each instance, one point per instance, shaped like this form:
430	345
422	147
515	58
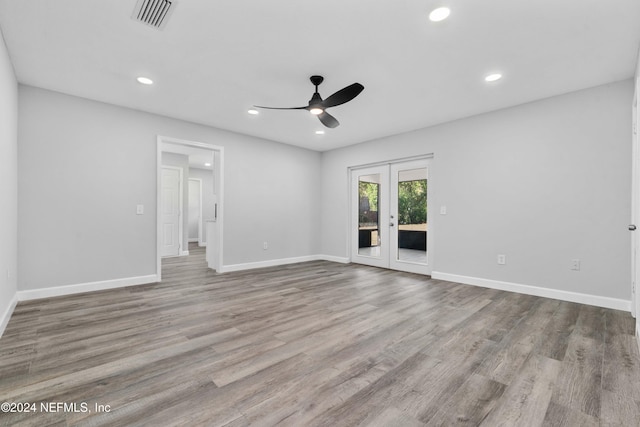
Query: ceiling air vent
154	13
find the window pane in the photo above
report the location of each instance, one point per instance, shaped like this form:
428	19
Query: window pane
368	220
412	215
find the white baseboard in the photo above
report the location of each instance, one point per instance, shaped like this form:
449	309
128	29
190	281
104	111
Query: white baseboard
341	260
4	320
193	240
606	302
184	253
85	287
282	261
268	263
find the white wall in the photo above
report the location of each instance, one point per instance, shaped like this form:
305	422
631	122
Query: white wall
181	161
543	183
8	185
84	165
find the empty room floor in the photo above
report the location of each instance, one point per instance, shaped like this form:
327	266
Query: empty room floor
318	344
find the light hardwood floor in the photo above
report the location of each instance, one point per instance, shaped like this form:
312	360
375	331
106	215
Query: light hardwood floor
318	344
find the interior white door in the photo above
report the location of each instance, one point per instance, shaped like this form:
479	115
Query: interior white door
389	216
408	236
370	216
170	214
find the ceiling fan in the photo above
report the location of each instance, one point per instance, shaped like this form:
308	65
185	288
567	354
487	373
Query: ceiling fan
317	106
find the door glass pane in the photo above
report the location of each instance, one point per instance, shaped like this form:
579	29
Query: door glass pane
412	215
368	220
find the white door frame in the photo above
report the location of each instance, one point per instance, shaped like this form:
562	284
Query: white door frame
200	219
180	208
352	241
218	184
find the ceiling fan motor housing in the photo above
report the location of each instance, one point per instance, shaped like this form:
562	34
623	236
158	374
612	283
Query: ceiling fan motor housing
316	101
316	80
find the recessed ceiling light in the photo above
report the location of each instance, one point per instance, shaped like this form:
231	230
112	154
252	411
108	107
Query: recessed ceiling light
252	111
319	132
439	14
493	77
145	80
207	164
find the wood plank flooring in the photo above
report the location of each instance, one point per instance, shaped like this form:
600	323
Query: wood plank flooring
317	344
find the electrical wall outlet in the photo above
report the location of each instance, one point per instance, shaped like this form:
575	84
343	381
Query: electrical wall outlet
265	246
575	264
502	259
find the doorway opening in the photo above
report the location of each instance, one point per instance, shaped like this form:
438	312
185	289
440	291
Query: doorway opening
195	211
389	215
200	167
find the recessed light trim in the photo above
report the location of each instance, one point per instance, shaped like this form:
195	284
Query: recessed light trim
493	77
144	80
207	164
319	132
439	14
253	111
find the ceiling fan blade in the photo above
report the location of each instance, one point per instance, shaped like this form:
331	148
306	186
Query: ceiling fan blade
343	95
281	108
328	120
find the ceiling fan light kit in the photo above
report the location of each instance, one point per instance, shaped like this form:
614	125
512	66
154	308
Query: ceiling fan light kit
317	106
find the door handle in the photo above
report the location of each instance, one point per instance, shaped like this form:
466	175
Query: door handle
632	227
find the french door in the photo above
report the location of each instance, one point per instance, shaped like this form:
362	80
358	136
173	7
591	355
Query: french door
635	212
389	216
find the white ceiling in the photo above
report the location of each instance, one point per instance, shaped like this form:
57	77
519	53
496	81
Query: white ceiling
215	59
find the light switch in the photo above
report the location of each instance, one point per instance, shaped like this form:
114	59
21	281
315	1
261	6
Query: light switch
443	210
139	209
